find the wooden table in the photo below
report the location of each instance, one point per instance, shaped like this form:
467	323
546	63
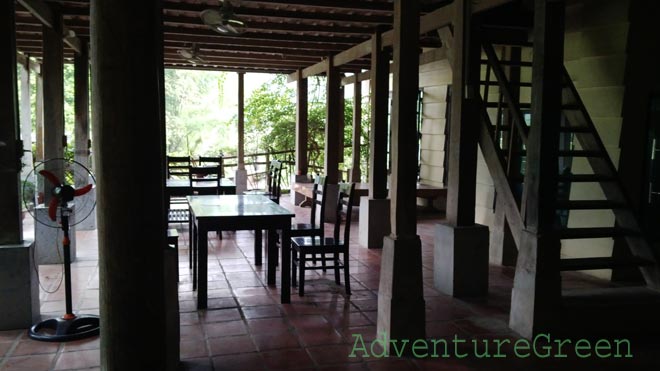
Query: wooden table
239	212
181	187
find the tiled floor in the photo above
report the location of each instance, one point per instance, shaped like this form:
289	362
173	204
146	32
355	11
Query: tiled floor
247	329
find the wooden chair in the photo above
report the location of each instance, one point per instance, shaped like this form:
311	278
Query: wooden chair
301	247
208	170
178	167
314	229
274	180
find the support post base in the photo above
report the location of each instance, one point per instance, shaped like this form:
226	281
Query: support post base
241	181
460	260
18	286
374	222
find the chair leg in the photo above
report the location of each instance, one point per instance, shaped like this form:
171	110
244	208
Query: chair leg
323	261
346	275
301	284
294	262
336	259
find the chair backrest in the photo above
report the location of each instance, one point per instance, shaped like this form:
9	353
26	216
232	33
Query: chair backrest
344	211
178	167
208	168
318	199
275	179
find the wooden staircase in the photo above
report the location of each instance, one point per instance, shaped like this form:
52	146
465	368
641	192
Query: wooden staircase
505	120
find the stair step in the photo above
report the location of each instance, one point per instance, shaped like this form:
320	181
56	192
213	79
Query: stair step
510	63
585	178
574	129
580	153
594	232
495	83
572	153
588	205
582	264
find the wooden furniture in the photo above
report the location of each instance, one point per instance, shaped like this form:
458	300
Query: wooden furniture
178	168
238	212
314	229
274	180
334	246
207	172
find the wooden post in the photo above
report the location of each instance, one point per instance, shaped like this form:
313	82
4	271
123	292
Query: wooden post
241	120
401	308
53	75
333	117
301	125
81	98
39	117
26	119
10	161
462	164
380	90
128	124
356	174
536	293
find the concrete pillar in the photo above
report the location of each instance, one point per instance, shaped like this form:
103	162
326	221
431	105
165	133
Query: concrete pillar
127	111
401	308
82	141
241	173
536	295
374	210
461	246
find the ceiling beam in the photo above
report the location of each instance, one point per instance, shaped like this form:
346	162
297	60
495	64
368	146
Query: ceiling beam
437	19
40	10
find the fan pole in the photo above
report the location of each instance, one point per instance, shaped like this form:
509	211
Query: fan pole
66	247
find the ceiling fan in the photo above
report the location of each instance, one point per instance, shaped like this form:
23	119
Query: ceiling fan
223	19
191	54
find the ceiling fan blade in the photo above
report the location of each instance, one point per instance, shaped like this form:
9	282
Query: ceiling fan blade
83	190
51	177
52	208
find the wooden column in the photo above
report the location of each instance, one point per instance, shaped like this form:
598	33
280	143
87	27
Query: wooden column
301	125
537	288
356	174
10	207
463	129
241	120
52	71
81	98
380	90
333	121
26	119
128	125
401	308
39	117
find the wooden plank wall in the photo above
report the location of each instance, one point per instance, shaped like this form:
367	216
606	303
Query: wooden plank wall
434	78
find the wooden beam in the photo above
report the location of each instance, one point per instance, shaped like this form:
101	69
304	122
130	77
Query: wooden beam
241	120
437	19
26	61
81	107
333	121
356	174
43	12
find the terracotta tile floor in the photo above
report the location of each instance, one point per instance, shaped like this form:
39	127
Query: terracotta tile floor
247	329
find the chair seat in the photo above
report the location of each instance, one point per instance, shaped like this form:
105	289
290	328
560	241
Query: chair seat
315	245
305	228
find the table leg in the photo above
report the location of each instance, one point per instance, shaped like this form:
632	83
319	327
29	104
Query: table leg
286	265
272	256
258	237
202	284
193	251
190	238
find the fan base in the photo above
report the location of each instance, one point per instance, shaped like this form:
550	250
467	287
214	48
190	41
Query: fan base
61	330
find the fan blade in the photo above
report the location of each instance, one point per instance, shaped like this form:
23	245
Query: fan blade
51	177
82	191
52	208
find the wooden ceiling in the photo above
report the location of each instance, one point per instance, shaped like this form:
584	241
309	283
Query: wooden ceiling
281	36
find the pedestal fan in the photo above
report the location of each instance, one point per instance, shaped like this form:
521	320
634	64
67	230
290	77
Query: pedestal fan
69	184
